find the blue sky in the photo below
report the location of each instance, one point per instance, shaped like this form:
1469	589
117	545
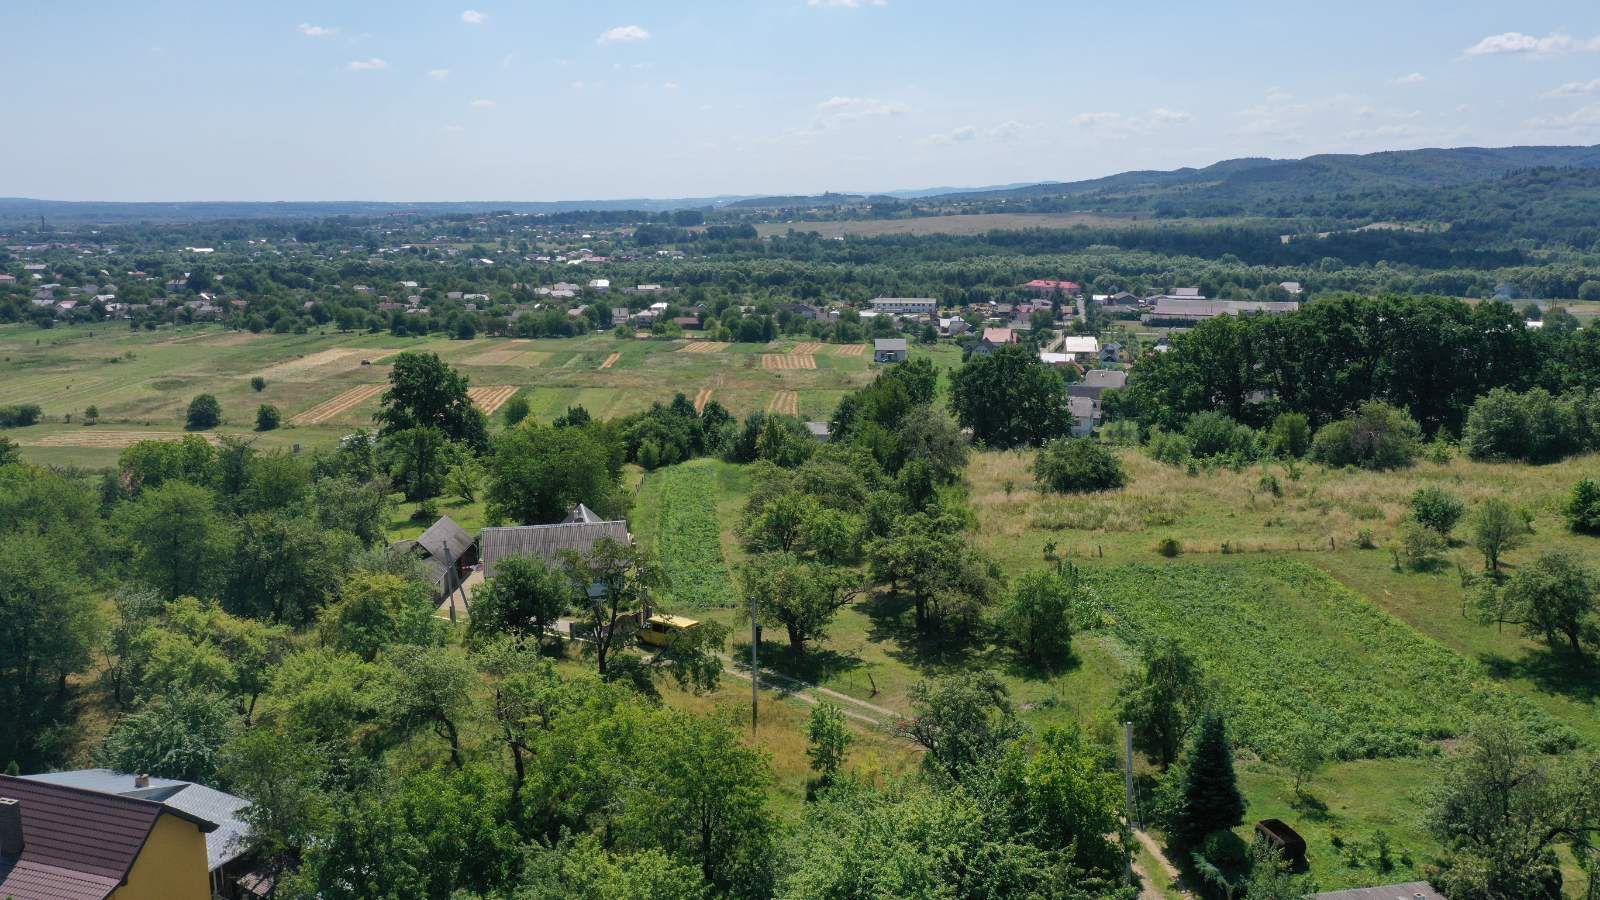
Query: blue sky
547	100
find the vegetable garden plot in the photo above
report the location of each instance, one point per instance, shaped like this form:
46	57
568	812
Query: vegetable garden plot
1291	648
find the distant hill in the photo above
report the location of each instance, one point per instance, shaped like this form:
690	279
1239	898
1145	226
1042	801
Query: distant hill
1279	187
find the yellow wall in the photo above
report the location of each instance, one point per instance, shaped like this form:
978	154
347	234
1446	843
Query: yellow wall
172	865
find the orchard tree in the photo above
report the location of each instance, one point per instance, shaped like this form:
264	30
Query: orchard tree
1163	700
828	738
178	542
802	597
1010	399
377	610
426	392
1043	610
1496	530
964	720
616	579
538	473
523	599
1555	599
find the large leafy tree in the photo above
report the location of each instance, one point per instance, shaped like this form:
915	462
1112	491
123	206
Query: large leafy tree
1042	612
802	597
1163	700
426	392
1501	811
178	539
616	579
377	610
964	720
1061	793
284	569
49	626
1555	598
539	473
525	597
1010	399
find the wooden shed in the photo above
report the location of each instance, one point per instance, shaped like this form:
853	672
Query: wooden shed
1286	840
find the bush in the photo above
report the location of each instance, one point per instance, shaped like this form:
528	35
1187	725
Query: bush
1289	436
516	409
1378	436
1536	426
1269	485
1583	509
1214	434
1437	509
258	384
268	417
1076	466
204	412
426	511
19	415
1420	547
1169	547
1167	447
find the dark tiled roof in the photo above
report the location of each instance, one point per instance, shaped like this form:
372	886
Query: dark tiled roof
445	535
76	843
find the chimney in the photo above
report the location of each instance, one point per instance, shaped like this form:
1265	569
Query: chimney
141	780
10	827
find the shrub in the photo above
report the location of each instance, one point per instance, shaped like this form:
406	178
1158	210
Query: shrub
267	417
1364	539
1214	434
1437	509
1420	547
258	384
1583	509
1378	436
19	415
426	511
1289	436
516	409
1169	547
1078	465
1170	448
1269	485
204	412
1535	426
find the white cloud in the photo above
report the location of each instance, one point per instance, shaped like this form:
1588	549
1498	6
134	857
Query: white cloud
1576	89
473	17
1585	119
1007	131
861	107
439	74
1518	44
1413	78
366	65
962	135
316	31
624	34
482	104
1123	125
847	4
669	85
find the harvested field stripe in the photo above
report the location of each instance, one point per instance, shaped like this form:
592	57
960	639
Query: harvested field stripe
338	405
114	440
701	399
491	397
807	348
611	360
850	350
785	403
703	347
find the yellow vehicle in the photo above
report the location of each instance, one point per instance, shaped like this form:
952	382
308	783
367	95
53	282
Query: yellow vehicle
661	630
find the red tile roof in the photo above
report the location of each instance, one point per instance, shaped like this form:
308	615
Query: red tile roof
77	844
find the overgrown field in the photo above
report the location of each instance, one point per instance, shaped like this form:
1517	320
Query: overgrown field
688	538
1290	648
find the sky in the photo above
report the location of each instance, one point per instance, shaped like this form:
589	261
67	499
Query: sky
424	100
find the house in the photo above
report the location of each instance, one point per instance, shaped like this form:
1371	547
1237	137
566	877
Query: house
619	316
1085	415
999	336
67	843
1096	382
1168	311
1044	287
953	326
1082	348
1111	354
600	284
6	278
446	551
905	306
579	532
687	323
889	350
226	846
822	431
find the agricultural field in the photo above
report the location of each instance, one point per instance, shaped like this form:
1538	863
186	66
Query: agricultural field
328	384
975	223
677	515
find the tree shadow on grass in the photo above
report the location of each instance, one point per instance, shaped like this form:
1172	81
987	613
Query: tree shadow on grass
816	665
894	628
1554	672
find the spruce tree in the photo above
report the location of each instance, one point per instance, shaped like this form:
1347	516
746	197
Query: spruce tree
1210	791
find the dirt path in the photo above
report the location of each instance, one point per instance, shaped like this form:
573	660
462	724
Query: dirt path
812	694
1154	849
701	399
611	360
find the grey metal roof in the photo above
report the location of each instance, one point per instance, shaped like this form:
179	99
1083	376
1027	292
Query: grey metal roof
545	541
223	845
1410	890
445	539
1105	378
889	344
582	515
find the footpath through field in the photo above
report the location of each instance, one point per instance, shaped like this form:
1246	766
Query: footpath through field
812	694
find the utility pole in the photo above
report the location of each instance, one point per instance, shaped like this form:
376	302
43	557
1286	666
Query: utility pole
755	668
1127	772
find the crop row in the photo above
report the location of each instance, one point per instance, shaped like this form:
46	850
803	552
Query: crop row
689	539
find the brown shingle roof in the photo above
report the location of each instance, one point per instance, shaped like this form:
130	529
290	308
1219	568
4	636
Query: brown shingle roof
77	844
